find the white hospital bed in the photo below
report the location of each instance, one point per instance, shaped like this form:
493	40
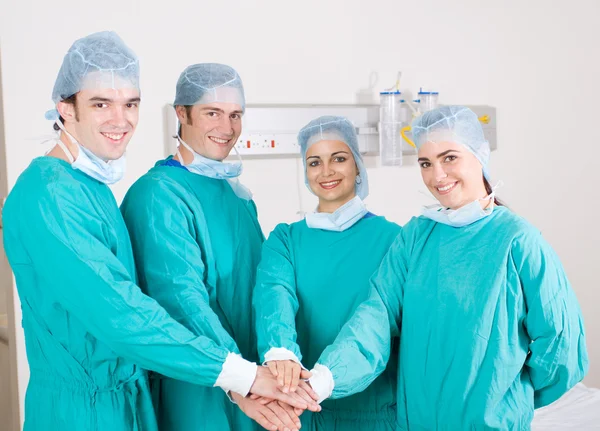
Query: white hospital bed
578	409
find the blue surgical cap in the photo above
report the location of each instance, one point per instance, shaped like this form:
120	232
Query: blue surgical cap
100	60
332	128
455	124
204	83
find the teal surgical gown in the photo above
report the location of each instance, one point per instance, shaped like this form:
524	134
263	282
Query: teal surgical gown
196	247
309	283
89	329
489	326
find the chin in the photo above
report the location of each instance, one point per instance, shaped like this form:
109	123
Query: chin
114	155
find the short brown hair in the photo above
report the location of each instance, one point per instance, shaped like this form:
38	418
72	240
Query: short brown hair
188	113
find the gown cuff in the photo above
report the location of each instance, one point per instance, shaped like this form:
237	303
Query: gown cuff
237	375
321	382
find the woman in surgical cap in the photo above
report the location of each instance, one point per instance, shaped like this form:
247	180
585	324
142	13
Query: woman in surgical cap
315	272
489	326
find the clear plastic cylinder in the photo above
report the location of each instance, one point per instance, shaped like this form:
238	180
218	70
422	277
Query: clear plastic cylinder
428	101
392	117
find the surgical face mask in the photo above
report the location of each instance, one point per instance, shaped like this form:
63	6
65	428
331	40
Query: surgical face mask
341	219
219	170
464	216
107	172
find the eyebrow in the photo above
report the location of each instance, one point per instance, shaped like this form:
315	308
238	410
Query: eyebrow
439	156
332	154
104	99
214	108
339	152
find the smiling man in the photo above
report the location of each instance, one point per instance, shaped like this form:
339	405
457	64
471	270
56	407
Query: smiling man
197	243
89	330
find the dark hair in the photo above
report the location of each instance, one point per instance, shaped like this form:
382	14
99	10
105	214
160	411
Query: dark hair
488	189
71	100
188	112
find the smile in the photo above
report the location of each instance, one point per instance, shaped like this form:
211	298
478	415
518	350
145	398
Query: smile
113	136
219	141
330	185
443	190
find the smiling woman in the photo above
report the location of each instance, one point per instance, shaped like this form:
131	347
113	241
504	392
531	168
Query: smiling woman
489	326
314	273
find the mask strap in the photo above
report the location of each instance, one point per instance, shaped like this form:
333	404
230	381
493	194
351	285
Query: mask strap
182	142
62	127
187	147
239	156
492	195
62	145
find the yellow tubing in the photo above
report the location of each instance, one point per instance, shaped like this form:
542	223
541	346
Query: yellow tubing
406	138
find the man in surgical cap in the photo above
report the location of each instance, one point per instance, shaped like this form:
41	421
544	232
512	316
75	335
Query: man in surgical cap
90	331
197	243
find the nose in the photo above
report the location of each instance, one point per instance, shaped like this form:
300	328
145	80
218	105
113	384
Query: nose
439	173
225	125
328	169
118	118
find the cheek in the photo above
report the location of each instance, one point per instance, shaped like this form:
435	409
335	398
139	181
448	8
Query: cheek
133	117
349	171
469	175
312	174
237	129
101	117
426	175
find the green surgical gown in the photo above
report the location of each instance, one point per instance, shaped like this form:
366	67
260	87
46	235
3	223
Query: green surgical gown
489	326
196	247
89	329
309	283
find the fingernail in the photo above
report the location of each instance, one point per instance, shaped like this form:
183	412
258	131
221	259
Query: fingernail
285	390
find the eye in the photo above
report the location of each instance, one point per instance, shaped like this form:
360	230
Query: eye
313	163
340	159
212	114
235	116
450	158
425	165
132	105
101	105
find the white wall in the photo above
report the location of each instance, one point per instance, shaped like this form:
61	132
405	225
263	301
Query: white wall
537	63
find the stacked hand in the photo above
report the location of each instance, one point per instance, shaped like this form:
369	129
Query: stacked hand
278	397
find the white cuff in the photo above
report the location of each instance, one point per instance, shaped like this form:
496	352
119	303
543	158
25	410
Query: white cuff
237	375
321	382
281	354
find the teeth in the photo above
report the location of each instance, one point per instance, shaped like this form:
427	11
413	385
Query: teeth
114	136
330	184
446	188
219	140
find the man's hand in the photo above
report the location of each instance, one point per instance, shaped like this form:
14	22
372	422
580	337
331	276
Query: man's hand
273	416
265	385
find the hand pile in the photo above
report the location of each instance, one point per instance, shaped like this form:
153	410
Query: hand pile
279	395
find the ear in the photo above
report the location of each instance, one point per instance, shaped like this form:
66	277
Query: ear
181	114
67	111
